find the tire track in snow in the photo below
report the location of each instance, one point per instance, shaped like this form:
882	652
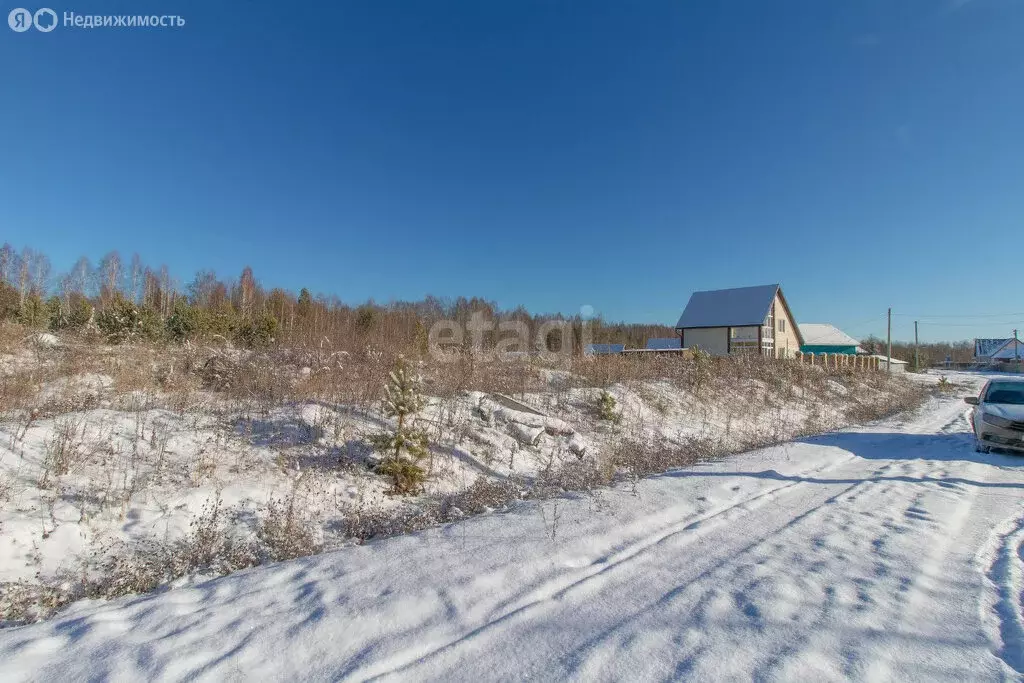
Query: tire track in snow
871	591
735	571
1004	616
742	578
550	590
681	534
883	491
555	589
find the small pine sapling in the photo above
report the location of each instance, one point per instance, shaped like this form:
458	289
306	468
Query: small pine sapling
406	446
606	407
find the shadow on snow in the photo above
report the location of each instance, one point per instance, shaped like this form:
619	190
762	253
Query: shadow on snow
955	446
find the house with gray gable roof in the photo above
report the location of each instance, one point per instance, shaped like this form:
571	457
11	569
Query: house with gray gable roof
744	320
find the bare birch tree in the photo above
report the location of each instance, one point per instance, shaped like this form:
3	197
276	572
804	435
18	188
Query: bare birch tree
247	290
110	278
135	277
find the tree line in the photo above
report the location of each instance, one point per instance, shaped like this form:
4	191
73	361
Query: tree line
120	300
928	354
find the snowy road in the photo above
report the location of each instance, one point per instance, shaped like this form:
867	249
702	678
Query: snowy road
892	552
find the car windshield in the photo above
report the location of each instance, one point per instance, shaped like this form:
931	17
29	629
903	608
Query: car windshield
1006	392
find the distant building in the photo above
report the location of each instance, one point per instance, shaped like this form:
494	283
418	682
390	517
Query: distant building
885	363
746	320
602	349
994	351
825	338
661	343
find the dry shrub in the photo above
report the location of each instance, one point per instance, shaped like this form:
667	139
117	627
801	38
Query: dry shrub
17	391
644	458
466	372
209	546
68	401
881	395
363	522
574	475
64	450
250	377
286	533
122	569
12	336
23	602
483	495
218	372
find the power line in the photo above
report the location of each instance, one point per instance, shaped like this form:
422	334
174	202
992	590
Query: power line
965	315
977	324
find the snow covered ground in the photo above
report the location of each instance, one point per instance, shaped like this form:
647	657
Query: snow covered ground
887	552
112	485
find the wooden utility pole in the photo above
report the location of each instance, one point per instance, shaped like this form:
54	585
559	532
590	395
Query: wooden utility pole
888	344
1016	351
917	363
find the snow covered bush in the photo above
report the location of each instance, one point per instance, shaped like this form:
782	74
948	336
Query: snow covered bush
33	312
70	313
123	321
183	322
257	333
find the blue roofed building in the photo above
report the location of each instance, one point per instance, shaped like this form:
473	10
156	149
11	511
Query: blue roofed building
602	349
663	343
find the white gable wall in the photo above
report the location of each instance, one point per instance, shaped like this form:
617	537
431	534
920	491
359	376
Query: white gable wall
786	341
1010	351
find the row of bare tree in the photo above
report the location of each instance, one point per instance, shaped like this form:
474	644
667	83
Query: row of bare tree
302	318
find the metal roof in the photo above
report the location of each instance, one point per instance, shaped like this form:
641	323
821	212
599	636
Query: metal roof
740	307
885	359
663	343
1011	349
602	349
984	348
823	334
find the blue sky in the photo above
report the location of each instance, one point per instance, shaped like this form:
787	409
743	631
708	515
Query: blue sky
548	153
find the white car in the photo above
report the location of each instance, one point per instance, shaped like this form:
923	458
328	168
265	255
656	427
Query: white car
998	415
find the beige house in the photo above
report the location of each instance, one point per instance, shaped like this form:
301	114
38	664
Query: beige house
753	320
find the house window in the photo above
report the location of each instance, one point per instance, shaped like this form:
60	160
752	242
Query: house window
782	325
744	347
